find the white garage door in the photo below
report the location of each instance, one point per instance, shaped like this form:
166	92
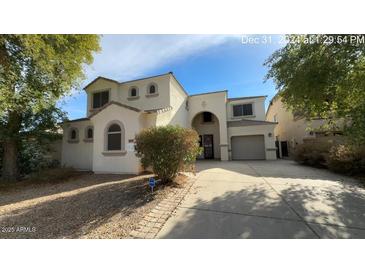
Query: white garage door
250	147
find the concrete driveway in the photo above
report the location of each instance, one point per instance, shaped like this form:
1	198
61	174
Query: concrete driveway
268	199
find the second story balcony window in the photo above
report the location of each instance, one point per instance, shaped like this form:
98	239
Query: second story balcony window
100	99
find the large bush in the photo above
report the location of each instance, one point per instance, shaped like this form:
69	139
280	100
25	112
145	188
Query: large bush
312	154
32	157
347	159
167	150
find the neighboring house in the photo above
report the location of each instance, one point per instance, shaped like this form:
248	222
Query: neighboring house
229	129
293	129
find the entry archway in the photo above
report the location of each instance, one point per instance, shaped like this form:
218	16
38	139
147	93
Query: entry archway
206	124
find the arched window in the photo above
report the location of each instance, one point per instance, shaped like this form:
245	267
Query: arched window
114	137
133	92
89	133
152	89
73	134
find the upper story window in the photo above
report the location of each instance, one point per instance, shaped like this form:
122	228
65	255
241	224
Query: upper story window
100	99
133	92
152	89
207	117
242	110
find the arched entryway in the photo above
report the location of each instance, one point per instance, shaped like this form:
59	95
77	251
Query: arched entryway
207	126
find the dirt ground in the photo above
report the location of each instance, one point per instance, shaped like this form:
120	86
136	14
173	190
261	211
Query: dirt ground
85	206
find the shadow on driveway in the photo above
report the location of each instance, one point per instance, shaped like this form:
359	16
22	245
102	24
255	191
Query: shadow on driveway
260	199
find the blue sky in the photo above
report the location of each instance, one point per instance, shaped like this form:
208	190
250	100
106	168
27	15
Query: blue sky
202	63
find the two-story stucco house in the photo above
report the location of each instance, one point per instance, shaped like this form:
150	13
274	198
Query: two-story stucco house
229	128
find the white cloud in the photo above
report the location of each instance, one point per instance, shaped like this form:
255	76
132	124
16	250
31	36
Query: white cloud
124	57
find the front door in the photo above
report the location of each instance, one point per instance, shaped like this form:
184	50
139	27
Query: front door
208	146
284	149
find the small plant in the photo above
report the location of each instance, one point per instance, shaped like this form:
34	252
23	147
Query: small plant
167	150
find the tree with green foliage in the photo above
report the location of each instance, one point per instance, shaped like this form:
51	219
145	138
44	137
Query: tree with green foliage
167	149
35	72
323	76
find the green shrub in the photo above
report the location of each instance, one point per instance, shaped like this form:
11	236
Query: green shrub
168	150
312	154
31	157
347	159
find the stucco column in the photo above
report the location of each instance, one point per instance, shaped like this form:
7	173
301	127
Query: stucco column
223	140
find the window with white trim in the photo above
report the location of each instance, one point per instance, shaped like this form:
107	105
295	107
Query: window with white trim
114	137
89	133
152	89
133	92
73	135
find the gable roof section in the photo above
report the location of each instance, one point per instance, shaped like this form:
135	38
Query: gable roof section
246	122
100	78
114	103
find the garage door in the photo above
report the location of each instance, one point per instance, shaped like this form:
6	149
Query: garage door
250	147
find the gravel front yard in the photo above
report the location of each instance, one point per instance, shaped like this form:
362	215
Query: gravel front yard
85	206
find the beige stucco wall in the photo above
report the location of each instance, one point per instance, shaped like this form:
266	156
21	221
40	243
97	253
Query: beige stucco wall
288	129
77	155
270	150
209	128
178	99
258	108
143	101
108	163
216	104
